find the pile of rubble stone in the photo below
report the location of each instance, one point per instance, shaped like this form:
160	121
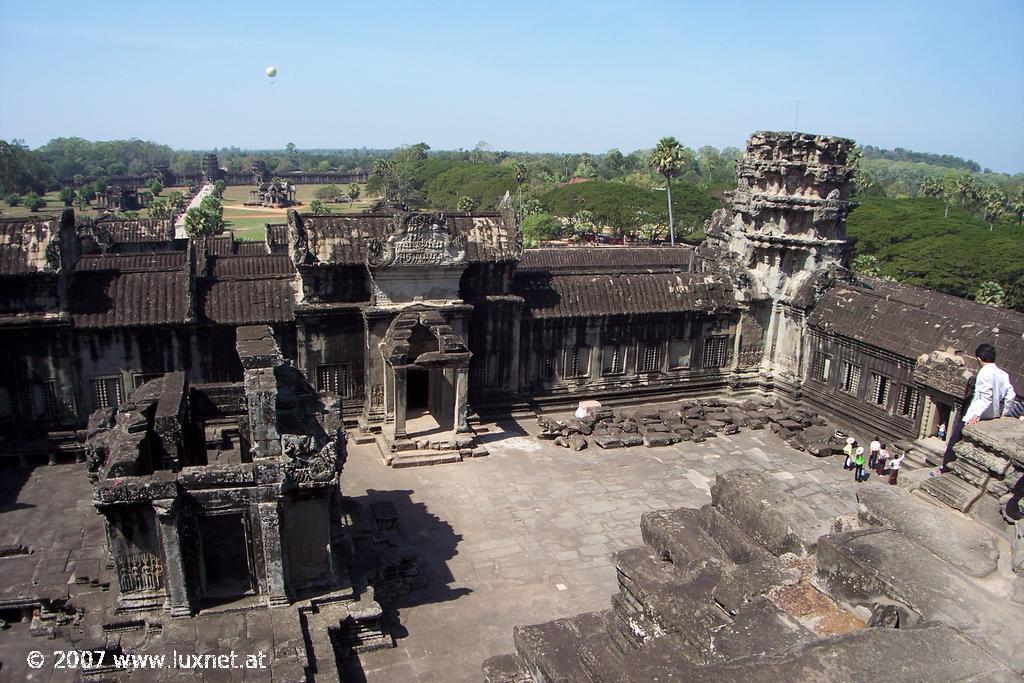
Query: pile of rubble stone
692	421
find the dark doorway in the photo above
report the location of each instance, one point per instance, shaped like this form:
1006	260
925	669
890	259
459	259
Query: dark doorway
942	412
226	567
417	390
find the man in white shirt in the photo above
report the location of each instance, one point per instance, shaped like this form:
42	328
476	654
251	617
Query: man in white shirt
993	392
991	397
874	447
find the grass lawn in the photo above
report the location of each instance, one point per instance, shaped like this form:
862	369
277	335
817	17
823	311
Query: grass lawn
53	207
249	222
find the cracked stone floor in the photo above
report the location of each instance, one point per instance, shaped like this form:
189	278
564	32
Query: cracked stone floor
525	535
521	536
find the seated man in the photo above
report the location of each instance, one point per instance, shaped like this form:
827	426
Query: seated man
992	396
993	393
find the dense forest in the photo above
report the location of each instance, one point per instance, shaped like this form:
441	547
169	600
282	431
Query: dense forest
933	220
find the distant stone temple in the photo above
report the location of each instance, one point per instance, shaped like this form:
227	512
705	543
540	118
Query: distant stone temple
279	195
417	322
118	198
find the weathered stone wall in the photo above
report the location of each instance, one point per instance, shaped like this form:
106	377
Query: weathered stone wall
855	408
556	341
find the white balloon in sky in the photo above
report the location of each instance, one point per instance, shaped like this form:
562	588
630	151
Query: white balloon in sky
271	71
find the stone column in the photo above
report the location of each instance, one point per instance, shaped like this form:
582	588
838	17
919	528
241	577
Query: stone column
736	343
399	397
513	384
179	599
461	404
273	555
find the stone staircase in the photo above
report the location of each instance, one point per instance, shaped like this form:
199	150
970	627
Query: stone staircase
757	585
434	451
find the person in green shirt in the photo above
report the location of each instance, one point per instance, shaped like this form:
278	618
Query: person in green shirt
858	463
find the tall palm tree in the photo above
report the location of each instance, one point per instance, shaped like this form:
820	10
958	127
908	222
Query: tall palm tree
1017	204
379	169
667	160
522	174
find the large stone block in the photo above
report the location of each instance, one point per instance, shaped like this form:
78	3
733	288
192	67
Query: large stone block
758	505
881	565
967	546
933	652
550	651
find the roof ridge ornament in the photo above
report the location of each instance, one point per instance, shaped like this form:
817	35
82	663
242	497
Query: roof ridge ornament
418	239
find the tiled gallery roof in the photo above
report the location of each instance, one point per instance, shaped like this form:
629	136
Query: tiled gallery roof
911	321
129	299
572	296
246	302
136	230
596	259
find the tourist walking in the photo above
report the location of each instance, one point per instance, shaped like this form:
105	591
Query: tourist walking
894	468
858	462
881	464
992	395
851	443
873	447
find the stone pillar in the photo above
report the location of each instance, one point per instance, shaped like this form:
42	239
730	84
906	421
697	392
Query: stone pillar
736	343
179	599
399	396
273	556
927	418
513	384
461	404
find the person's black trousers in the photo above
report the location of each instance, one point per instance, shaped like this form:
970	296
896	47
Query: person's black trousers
958	429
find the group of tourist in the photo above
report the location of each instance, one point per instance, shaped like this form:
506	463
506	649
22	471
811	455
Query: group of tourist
989	396
879	459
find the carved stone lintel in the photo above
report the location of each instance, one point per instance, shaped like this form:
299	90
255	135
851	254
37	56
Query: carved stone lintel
418	240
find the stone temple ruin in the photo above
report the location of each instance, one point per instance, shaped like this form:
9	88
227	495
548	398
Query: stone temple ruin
275	194
213	386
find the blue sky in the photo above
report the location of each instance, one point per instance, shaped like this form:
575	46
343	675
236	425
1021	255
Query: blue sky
936	76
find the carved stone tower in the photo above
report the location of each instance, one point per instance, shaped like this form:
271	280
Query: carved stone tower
787	226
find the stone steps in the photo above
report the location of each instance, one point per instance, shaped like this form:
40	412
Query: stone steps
550	651
406	454
422	458
952	491
954	539
506	669
933	652
879	565
698	601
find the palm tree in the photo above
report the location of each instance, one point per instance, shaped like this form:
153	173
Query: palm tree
995	204
522	174
379	166
385	170
1017	204
667	160
935	188
466	205
966	186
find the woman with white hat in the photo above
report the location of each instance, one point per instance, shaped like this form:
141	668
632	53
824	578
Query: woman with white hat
851	443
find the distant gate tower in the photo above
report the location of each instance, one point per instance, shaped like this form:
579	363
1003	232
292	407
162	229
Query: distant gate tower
210	168
786	227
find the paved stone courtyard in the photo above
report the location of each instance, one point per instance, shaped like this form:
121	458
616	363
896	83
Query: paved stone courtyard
521	536
525	535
